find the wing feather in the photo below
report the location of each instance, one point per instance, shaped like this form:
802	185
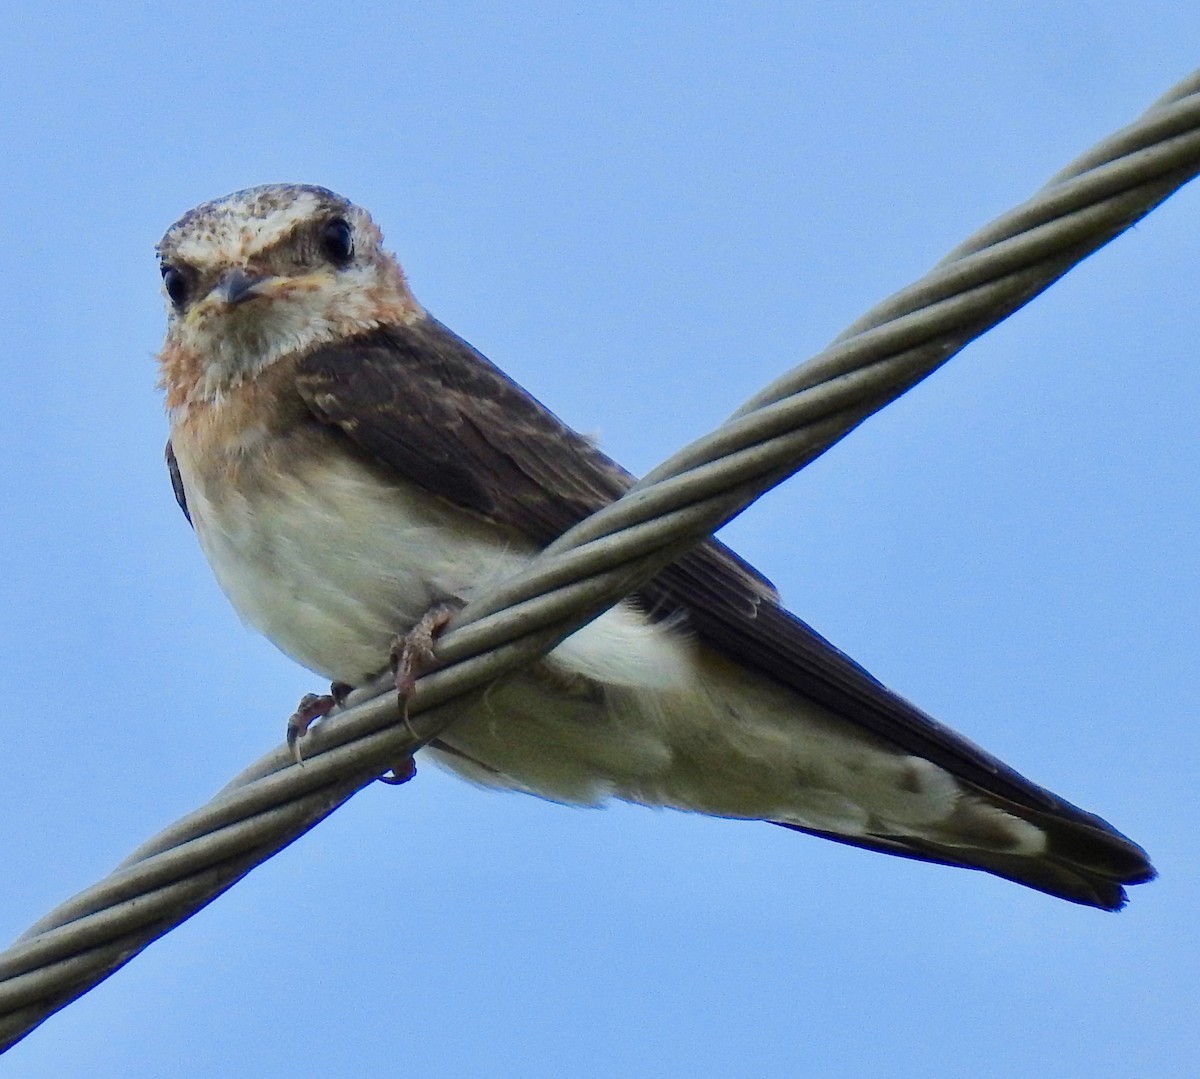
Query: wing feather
422	402
176	480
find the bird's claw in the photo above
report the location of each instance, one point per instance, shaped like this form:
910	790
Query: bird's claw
412	655
401	772
313	706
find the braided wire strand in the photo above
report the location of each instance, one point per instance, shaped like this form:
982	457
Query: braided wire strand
604	558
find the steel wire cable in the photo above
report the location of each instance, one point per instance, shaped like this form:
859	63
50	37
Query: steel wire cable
800	415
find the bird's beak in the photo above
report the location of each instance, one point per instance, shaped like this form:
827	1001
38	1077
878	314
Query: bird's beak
237	286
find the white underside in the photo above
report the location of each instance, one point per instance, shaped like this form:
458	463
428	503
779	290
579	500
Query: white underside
332	567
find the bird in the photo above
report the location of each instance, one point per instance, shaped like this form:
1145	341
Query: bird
354	472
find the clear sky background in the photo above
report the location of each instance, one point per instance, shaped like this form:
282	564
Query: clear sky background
643	212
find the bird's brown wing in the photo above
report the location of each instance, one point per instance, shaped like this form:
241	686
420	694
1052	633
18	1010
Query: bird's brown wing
424	404
176	480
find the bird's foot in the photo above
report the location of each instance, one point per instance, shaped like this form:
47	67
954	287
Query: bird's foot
412	655
402	771
313	706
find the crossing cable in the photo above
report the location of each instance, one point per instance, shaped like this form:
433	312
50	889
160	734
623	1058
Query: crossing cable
799	416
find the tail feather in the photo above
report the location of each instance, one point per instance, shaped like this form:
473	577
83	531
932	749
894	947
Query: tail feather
1085	861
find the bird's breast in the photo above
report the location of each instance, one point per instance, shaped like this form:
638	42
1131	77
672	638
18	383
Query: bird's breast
330	558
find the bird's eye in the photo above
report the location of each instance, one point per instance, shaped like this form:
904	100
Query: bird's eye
337	241
176	283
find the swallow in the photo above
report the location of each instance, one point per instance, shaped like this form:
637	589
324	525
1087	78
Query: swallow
352	469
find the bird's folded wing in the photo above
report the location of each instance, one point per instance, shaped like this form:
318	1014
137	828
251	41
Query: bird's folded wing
422	403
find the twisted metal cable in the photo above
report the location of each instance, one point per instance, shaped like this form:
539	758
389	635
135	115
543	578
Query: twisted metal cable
612	553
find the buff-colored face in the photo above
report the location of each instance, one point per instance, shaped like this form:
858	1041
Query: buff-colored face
269	272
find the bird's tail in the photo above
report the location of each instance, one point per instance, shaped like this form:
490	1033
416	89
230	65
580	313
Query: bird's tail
1084	859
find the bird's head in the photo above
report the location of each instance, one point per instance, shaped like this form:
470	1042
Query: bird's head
269	272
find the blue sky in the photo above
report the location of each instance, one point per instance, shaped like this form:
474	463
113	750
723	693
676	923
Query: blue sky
643	213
